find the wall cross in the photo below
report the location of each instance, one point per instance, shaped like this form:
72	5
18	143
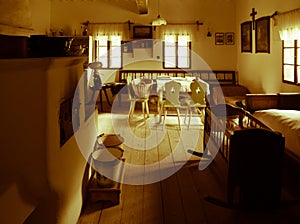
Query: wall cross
253	13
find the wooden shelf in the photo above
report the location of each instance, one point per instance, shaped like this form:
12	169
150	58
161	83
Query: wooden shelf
97	193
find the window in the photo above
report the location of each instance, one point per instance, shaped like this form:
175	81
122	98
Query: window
288	26
177	53
108	51
291	61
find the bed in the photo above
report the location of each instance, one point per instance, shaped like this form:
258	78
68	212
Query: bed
280	112
286	122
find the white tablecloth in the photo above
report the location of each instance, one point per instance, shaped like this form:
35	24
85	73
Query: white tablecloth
185	83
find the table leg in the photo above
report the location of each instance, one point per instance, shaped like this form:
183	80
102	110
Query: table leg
106	96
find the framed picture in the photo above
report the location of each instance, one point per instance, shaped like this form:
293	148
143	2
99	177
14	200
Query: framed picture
262	35
229	38
142	32
219	38
246	36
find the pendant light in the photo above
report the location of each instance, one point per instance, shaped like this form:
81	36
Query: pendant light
159	20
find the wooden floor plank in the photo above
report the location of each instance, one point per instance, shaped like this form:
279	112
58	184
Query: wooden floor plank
212	182
91	213
192	205
135	193
153	207
189	196
152	159
172	203
133	205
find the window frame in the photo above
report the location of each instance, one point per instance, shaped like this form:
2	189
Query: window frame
108	56
296	49
177	56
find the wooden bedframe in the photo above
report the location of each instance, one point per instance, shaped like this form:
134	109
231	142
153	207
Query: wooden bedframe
290	101
262	104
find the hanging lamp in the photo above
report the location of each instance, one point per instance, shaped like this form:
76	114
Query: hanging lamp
159	20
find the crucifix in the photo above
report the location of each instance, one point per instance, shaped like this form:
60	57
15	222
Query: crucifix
253	13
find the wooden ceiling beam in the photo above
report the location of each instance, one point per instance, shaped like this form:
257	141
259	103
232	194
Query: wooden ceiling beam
142	6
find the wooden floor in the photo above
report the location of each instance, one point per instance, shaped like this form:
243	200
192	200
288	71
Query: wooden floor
180	197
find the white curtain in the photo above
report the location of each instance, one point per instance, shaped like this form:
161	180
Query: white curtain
180	29
288	25
109	29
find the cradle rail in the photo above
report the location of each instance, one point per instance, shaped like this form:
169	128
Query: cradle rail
221	121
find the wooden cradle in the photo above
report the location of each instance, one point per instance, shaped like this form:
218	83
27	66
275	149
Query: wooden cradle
221	121
252	151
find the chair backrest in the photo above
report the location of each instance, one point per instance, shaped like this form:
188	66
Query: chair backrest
141	88
198	94
172	92
255	167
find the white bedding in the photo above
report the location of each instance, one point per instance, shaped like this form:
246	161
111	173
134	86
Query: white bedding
286	122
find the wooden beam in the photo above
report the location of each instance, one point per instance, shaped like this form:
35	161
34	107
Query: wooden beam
142	6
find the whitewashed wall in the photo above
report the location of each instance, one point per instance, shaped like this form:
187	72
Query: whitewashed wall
217	16
262	72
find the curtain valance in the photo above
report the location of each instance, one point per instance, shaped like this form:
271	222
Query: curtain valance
288	24
109	29
178	29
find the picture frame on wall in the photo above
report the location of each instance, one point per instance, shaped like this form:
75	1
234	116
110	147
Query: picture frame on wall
229	38
262	35
246	36
142	32
219	38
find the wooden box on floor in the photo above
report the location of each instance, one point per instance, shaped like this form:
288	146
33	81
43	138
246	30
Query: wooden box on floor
97	193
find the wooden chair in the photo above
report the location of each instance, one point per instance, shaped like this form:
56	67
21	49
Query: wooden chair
254	169
171	100
139	92
197	101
